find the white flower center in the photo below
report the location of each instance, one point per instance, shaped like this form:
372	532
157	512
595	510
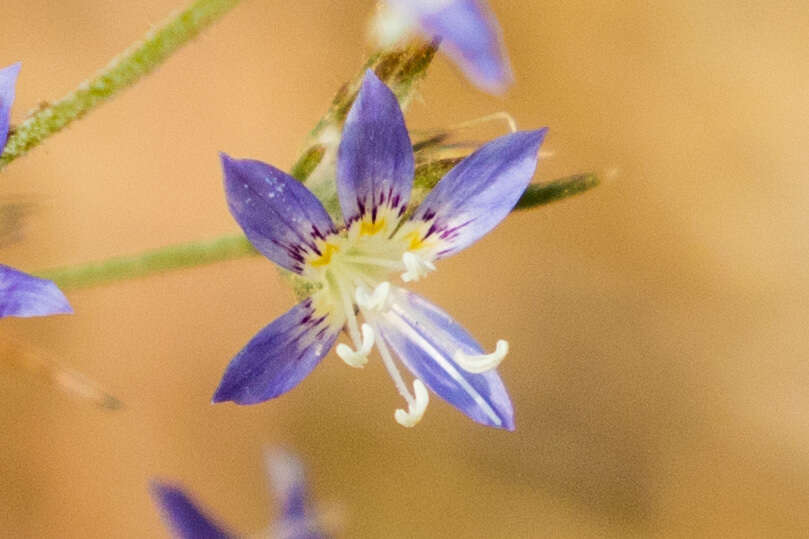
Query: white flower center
352	271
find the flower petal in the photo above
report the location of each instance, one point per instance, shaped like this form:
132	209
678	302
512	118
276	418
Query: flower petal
479	192
186	519
25	295
375	158
8	80
426	338
280	217
297	520
278	357
288	483
470	36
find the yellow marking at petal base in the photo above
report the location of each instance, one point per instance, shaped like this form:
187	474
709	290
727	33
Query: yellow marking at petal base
371	228
415	239
325	258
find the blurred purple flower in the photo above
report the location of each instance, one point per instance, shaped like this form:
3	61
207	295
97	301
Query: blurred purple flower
8	81
350	268
188	521
469	32
22	294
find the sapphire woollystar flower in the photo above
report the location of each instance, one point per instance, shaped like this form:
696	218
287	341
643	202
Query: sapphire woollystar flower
350	266
468	30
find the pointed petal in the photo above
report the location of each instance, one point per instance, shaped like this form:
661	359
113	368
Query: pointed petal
186	519
25	295
479	192
470	36
288	483
426	338
280	217
278	357
375	158
288	480
8	81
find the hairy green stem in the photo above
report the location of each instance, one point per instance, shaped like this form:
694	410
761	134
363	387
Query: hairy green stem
173	257
231	247
122	72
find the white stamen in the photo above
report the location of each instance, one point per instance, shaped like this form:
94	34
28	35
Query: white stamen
400	319
416	266
376	300
484	362
348	310
358	358
415	408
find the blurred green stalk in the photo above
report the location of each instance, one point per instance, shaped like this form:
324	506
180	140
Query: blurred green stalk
137	61
159	260
198	253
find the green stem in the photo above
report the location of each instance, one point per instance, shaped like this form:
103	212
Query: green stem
123	71
173	257
231	247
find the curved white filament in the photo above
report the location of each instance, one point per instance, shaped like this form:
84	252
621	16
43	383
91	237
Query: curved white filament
416	408
358	358
477	364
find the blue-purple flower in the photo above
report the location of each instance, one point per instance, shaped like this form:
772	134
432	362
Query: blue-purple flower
22	294
188	520
469	32
350	266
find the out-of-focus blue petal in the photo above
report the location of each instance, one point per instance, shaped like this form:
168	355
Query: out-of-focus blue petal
280	217
480	191
278	357
25	295
8	80
470	36
426	338
375	158
186	519
289	484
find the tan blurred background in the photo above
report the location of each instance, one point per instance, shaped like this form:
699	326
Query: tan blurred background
658	324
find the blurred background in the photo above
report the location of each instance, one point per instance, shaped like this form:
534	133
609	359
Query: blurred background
658	323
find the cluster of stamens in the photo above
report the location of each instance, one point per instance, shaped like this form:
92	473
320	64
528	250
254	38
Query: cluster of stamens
353	283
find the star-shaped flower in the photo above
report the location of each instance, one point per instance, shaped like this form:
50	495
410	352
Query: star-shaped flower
22	294
188	521
469	32
350	266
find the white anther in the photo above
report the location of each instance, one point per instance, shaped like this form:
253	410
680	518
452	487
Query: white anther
376	300
358	358
416	266
416	408
484	362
